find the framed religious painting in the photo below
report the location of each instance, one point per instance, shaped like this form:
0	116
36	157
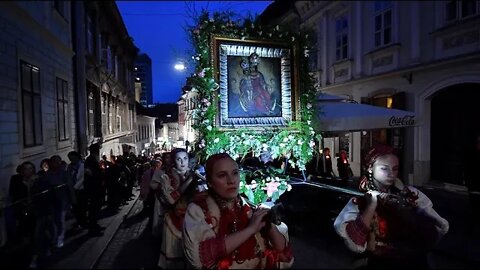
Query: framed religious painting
256	83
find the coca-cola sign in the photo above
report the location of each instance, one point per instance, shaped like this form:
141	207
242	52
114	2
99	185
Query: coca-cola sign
402	121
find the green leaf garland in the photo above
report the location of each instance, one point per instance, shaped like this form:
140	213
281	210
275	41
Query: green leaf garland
295	141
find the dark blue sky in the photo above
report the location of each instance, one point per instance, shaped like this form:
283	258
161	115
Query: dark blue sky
157	28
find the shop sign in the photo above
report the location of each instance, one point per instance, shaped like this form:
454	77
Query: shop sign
407	120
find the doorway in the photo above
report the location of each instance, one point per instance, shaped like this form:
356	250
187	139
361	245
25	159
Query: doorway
454	124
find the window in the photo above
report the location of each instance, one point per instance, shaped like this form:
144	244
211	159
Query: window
456	10
110	114
130	117
62	109
341	38
383	23
118	116
31	105
60	7
91	114
119	123
106	57
104	113
90	38
113	62
129	78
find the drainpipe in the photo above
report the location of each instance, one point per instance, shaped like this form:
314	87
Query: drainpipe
79	83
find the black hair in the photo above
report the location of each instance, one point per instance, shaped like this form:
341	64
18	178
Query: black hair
74	154
27	163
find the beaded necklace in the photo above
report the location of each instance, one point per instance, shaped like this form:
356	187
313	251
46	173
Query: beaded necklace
234	218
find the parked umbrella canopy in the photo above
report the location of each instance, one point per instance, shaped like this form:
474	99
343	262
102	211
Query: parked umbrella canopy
335	114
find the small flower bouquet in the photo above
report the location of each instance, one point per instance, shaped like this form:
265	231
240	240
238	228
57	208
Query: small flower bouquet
264	185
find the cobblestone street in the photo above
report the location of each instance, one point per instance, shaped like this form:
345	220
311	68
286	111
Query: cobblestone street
133	245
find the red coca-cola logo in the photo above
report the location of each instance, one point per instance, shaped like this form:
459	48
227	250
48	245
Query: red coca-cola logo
407	120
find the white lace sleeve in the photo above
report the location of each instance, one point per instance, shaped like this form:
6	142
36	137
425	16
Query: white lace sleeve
195	230
348	214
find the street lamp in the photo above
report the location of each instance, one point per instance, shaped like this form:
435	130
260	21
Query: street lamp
179	66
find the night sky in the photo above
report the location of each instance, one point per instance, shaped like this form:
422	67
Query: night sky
158	29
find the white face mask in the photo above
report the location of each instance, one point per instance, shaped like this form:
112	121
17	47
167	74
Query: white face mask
181	161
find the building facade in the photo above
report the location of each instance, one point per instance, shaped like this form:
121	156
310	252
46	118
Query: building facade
169	137
37	100
186	106
413	55
146	139
143	75
104	59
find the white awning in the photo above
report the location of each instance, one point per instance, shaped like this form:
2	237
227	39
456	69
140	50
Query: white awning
335	113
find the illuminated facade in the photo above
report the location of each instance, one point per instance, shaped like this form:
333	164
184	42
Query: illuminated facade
412	55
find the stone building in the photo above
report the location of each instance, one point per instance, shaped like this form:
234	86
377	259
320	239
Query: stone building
146	140
66	81
37	100
186	106
105	77
421	56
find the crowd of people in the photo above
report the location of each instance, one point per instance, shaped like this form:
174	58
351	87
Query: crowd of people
201	219
40	201
204	222
320	167
393	225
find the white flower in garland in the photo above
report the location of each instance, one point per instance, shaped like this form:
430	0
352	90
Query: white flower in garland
239	143
265	147
309	106
216	140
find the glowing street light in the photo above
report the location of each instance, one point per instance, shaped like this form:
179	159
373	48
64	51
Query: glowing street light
179	66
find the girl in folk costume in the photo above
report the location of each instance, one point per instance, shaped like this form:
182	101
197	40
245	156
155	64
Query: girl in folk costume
174	192
221	231
395	225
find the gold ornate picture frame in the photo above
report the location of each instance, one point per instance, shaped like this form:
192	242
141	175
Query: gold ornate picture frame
256	83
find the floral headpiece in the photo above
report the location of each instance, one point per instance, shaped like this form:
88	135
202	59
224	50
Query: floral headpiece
366	183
